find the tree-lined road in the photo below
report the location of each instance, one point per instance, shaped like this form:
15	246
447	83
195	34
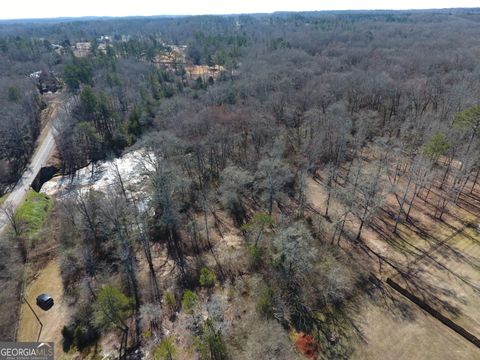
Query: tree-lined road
45	148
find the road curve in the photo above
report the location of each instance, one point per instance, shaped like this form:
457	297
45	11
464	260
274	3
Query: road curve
45	147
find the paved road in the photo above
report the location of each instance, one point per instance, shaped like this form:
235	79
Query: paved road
45	147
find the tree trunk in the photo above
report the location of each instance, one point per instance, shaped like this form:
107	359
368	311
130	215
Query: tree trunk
475	181
428	192
270	203
400	209
446	171
360	230
415	193
341	228
328	203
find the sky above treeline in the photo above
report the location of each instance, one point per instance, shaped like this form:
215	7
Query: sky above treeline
26	9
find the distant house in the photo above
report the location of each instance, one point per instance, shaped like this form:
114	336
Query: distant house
57	48
176	55
46	81
82	49
35	75
204	71
103	47
104	39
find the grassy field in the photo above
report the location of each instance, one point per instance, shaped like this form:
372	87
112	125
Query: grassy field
393	328
33	212
447	279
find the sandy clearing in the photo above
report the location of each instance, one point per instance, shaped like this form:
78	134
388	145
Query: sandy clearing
49	281
392	334
448	280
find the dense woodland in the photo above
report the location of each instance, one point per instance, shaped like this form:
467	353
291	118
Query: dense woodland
367	104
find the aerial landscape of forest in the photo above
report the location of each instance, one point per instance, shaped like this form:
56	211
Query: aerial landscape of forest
291	185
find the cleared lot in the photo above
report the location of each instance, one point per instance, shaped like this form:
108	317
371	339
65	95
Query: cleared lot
395	329
48	280
448	279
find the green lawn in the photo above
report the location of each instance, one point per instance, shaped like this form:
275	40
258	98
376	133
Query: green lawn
33	212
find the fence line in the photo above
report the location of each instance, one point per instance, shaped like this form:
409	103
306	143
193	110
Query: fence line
446	321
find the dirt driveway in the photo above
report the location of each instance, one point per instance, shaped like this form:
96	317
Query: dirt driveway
49	281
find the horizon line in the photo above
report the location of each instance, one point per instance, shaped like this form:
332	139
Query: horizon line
68	17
